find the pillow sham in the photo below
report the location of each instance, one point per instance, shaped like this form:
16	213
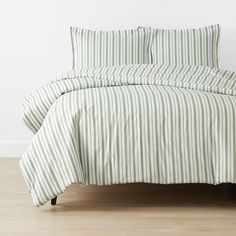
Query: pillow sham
186	46
109	48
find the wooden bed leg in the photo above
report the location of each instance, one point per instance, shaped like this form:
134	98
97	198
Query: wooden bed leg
54	201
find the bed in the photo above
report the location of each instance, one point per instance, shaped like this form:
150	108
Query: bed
149	123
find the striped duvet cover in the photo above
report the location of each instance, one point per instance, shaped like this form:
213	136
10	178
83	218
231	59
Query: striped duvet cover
135	123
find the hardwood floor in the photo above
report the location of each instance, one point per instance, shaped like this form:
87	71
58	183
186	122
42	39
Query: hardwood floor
124	210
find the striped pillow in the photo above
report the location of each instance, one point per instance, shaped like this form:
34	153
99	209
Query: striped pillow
109	48
186	46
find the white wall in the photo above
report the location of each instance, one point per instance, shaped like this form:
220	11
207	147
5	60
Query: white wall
35	43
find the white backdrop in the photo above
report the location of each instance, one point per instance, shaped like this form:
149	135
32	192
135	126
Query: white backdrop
35	43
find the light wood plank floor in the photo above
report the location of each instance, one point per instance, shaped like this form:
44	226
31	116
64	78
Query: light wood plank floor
126	210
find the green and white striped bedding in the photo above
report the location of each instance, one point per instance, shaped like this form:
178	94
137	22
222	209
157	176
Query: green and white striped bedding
109	48
134	123
186	47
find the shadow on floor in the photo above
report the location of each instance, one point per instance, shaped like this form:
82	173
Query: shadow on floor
137	196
